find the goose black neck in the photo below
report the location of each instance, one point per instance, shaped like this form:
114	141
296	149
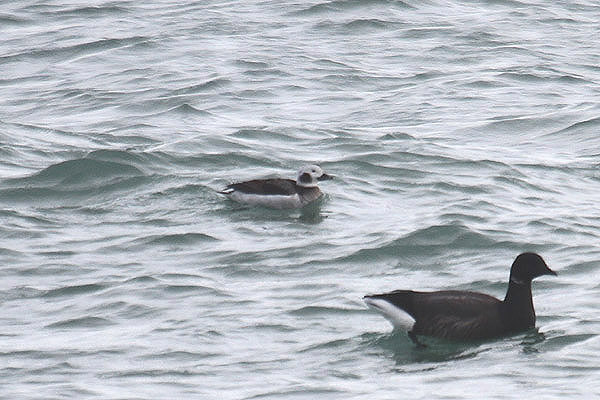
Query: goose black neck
518	293
518	306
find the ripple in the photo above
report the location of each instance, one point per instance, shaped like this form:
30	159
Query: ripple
344	5
187	110
74	290
24	292
209	85
149	373
185	289
177	239
323	310
178	355
74	172
558	343
7	19
62	53
90	11
431	240
83	322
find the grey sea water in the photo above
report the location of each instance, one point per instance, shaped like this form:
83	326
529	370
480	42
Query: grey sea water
461	133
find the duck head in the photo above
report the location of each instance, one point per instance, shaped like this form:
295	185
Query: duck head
309	175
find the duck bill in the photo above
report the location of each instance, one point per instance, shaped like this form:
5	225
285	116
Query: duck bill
325	177
550	272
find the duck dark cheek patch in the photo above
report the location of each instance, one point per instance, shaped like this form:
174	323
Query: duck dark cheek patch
304	178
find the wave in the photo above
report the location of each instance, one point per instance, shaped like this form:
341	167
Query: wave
588	127
84	322
74	290
6	19
425	242
176	239
82	171
343	5
73	51
98	173
91	11
208	85
324	310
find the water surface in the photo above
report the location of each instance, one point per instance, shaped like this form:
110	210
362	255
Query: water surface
460	134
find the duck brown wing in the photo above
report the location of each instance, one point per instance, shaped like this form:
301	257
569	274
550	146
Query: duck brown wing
266	187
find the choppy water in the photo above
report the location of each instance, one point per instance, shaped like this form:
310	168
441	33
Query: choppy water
461	133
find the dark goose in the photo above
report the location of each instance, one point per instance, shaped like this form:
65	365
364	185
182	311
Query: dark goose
463	315
279	193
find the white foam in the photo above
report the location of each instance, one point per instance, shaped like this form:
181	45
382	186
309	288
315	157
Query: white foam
399	318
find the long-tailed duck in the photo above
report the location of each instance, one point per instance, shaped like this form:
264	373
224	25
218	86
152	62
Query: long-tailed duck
280	193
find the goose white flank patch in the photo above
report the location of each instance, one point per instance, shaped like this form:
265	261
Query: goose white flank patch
280	193
463	315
